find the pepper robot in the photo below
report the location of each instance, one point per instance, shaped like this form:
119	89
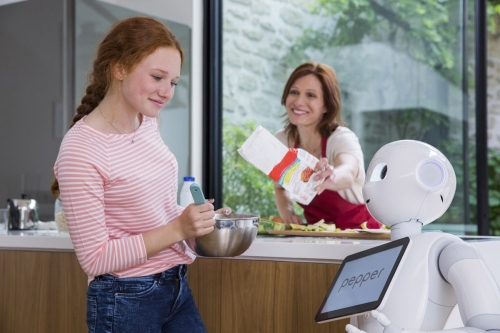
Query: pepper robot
408	185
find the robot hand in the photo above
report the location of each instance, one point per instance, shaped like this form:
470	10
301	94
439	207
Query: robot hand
382	319
353	329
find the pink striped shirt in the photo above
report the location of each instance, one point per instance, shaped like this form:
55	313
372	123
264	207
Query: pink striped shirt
112	191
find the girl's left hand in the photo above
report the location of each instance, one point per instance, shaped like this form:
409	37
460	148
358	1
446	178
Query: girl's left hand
224	210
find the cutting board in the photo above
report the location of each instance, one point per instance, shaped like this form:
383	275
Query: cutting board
374	234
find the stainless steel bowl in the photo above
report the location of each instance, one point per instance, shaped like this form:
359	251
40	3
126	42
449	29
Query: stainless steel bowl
232	236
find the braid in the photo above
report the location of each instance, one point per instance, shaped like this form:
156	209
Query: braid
94	94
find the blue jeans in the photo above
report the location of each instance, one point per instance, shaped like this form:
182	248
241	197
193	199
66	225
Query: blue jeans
156	303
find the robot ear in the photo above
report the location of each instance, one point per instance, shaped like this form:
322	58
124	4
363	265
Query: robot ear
432	174
379	172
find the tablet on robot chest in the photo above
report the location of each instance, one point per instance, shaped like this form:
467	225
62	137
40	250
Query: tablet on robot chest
362	281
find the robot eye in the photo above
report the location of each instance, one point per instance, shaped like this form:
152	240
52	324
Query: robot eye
379	172
383	173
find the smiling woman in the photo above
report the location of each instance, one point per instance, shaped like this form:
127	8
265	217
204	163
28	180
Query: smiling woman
312	100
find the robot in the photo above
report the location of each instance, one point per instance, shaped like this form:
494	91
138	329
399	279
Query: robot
408	185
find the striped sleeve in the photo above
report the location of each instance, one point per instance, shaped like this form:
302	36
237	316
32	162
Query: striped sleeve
82	175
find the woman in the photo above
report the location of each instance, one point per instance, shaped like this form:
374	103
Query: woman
118	184
312	100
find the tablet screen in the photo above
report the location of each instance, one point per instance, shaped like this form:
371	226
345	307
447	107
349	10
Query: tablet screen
362	280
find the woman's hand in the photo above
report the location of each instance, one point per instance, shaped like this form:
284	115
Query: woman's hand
336	178
326	172
294	219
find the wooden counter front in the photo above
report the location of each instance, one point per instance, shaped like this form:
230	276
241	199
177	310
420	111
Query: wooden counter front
276	286
42	292
45	292
250	296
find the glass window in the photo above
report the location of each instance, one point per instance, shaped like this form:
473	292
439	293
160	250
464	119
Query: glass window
31	99
404	70
493	103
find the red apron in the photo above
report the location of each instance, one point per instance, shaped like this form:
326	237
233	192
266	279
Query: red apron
332	208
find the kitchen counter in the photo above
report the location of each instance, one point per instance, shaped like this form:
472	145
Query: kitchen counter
275	286
274	248
246	287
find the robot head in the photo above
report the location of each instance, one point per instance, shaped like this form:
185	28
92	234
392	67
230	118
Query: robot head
408	181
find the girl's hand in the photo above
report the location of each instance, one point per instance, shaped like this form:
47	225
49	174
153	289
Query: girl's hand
197	220
226	211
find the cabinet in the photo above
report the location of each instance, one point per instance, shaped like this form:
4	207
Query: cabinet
249	296
45	292
42	292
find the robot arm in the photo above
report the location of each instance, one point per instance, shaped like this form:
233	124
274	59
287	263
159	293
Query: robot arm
393	328
477	291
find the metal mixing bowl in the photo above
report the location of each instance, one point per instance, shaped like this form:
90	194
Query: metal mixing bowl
232	236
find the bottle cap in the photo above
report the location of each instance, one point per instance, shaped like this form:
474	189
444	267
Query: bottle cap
189	179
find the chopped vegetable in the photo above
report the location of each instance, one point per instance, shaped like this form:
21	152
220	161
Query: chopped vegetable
265	225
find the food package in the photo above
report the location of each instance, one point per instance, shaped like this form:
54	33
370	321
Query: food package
291	168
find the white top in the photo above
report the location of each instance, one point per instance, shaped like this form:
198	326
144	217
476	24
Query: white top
342	140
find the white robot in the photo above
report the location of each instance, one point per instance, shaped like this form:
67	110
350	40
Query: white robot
410	184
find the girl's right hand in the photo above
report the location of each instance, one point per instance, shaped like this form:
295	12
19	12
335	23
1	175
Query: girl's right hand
197	220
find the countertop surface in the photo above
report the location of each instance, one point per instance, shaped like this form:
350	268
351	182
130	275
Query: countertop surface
276	248
36	240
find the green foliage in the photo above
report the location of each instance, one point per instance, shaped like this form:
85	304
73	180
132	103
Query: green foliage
421	29
494	191
493	11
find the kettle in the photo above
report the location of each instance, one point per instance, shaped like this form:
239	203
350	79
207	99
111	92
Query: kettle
23	214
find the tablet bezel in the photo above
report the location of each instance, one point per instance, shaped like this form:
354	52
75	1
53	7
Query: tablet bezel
322	317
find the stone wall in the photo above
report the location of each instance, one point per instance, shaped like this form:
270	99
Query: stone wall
256	36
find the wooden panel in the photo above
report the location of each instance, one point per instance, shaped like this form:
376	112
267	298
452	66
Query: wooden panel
261	296
287	310
208	288
316	279
41	292
248	296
